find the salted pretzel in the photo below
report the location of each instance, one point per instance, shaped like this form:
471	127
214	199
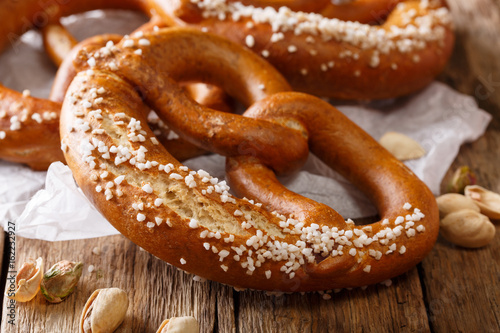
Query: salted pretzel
29	125
272	240
329	57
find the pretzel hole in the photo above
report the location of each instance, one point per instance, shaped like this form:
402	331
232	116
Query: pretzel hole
351	202
77	27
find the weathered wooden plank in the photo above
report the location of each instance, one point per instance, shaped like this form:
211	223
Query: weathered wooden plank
397	308
156	290
227	300
462	286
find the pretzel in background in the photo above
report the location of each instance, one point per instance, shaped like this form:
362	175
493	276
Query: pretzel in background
320	53
29	126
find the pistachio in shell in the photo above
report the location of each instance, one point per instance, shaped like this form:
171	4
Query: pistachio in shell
104	311
462	177
28	281
179	325
401	146
452	202
60	280
467	228
488	201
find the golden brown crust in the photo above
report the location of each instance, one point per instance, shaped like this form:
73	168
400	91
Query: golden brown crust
334	58
66	72
188	218
29	129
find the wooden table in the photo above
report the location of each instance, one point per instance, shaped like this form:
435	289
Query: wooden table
452	290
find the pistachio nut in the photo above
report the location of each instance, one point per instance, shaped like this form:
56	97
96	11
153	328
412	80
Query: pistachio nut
28	281
462	177
104	311
401	146
179	325
488	201
452	202
467	228
60	280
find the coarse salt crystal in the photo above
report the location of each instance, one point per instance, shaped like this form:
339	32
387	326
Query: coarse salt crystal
147	188
193	224
250	41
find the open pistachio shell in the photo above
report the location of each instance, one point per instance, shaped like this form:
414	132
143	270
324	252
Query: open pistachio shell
28	281
179	325
462	177
451	202
401	146
104	311
467	228
488	201
60	280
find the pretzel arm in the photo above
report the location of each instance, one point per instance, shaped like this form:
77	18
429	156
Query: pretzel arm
333	58
58	42
29	129
353	153
295	5
363	11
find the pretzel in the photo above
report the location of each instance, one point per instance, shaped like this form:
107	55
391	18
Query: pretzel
28	125
29	129
328	57
272	240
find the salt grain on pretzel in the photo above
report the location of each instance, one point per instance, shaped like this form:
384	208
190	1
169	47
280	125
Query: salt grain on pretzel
287	243
330	57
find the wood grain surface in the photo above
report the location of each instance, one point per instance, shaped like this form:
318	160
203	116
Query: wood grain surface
452	290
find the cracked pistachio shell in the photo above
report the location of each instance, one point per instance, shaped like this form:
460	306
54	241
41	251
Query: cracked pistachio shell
452	202
179	325
462	177
104	311
60	280
488	201
28	280
401	146
467	228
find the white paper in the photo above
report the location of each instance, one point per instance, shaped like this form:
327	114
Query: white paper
440	119
60	211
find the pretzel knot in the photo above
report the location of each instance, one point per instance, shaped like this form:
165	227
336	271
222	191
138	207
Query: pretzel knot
272	240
